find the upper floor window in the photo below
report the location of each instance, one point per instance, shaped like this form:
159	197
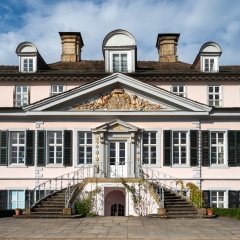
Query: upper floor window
149	148
214	96
217	148
17	147
85	148
209	65
119	62
179	90
56	89
180	145
55	147
27	64
21	96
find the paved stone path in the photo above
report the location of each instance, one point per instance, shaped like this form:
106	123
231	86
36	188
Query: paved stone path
119	228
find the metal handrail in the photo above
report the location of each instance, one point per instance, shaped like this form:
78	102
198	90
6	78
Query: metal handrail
166	181
54	185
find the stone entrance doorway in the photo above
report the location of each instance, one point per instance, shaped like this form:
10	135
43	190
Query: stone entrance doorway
114	201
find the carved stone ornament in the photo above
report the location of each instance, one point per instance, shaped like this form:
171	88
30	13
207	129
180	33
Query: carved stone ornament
118	99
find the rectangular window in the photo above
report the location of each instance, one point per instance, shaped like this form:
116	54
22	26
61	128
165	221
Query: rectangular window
214	96
55	147
218	199
179	90
56	89
209	65
180	144
149	148
16	199
85	148
28	65
17	147
21	96
217	147
120	62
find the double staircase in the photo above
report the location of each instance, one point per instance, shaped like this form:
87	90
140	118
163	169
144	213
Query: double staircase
46	202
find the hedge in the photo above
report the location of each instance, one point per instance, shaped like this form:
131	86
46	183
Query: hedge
227	212
6	213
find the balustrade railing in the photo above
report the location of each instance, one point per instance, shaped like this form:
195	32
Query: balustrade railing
166	181
57	184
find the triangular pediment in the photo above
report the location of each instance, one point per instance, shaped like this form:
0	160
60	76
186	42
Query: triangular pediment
116	125
117	93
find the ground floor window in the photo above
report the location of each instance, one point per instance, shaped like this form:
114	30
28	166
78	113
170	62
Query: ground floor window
218	199
180	147
16	199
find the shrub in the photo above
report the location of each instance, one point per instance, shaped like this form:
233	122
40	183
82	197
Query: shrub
86	205
227	212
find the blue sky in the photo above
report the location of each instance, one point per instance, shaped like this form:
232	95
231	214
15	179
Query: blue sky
198	21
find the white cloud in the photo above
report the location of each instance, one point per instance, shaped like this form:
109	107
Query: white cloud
197	21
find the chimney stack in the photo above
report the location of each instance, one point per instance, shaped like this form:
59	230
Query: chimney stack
167	47
72	44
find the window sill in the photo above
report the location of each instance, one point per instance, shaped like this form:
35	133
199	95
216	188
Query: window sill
181	166
217	166
55	166
17	166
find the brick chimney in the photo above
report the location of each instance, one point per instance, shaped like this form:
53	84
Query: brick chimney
72	44
167	47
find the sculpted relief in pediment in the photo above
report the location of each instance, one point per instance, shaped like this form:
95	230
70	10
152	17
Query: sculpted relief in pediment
118	99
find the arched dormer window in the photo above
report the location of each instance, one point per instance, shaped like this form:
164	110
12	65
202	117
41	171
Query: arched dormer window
29	58
119	51
209	57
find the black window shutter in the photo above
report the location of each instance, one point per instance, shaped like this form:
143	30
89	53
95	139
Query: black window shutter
3	199
67	155
194	147
41	148
233	199
30	137
206	198
232	151
238	199
205	148
167	143
4	148
238	148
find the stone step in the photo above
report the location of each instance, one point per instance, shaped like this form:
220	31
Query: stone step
47	213
181	212
48	204
47	209
46	216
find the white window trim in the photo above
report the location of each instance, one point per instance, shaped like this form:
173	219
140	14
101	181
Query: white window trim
129	59
225	144
75	139
225	195
9	190
22	63
216	64
15	92
221	94
53	84
16	165
187	164
53	165
179	85
158	152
